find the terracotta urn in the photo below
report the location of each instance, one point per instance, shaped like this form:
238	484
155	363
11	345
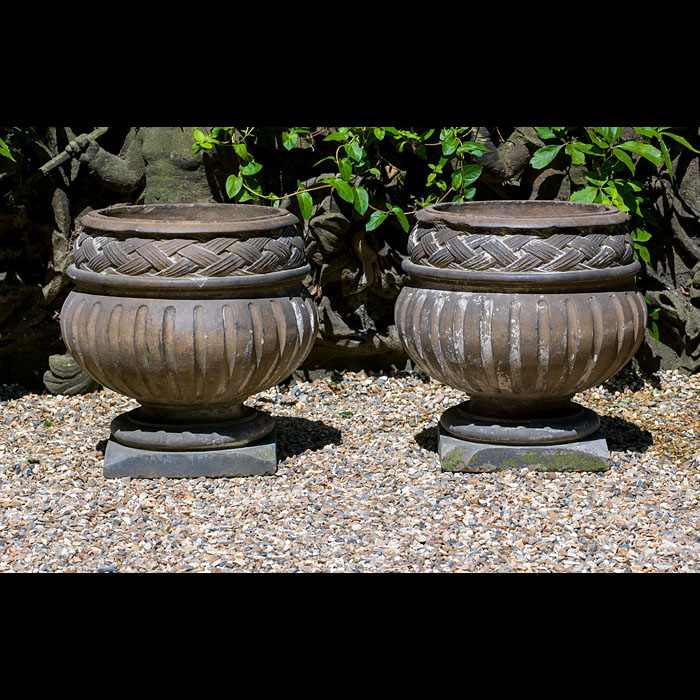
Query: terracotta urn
189	309
521	305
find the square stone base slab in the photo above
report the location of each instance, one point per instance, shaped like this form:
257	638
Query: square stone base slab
457	455
257	459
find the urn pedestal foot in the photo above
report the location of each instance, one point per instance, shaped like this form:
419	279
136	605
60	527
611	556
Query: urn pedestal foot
458	455
564	421
133	429
257	458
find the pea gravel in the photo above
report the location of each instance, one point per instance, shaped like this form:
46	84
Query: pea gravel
358	489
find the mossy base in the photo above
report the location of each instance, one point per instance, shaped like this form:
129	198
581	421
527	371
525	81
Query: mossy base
256	459
588	455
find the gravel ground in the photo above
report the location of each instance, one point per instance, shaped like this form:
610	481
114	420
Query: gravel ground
358	489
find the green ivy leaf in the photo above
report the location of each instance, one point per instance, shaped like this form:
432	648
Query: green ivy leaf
645	150
379	133
588	148
630	185
587	194
544	156
343	189
646	131
361	199
680	140
306	204
5	151
652	311
233	185
471	174
376	219
289	140
476	149
456	180
609	133
355	151
251	168
654	330
615	196
345	167
336	136
401	217
323	159
241	151
666	156
449	146
643	252
595	138
621	155
252	184
578	156
595	178
544	132
639	234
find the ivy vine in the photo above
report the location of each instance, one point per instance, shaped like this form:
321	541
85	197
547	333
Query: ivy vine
447	154
610	164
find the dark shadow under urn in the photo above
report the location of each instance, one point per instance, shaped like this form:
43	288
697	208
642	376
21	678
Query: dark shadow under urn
521	305
189	309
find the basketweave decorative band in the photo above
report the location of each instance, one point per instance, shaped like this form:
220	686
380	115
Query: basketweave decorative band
180	257
442	247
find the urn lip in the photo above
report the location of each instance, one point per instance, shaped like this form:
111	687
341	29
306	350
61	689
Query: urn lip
523	214
249	285
176	219
527	282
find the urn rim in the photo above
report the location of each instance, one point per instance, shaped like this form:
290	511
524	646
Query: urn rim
534	282
532	214
187	287
176	219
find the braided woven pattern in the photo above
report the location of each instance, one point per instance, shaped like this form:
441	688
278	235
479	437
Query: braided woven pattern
179	257
522	252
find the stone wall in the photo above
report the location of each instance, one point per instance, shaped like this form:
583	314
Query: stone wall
356	275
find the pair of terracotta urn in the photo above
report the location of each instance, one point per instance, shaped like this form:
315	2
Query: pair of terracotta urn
192	308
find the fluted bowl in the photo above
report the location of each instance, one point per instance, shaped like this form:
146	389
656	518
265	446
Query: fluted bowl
189	309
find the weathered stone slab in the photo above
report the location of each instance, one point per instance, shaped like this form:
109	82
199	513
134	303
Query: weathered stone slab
457	455
256	459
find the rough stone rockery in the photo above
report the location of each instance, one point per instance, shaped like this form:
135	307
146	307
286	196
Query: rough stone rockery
189	309
521	304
